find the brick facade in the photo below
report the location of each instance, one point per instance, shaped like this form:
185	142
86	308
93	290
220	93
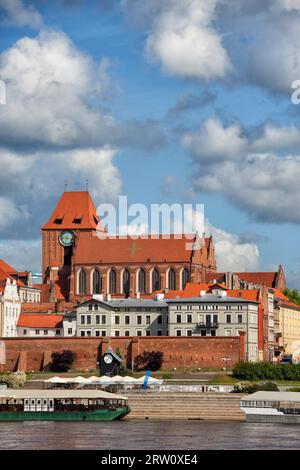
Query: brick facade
192	352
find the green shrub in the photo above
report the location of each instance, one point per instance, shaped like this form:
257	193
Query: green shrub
14	379
266	371
256	387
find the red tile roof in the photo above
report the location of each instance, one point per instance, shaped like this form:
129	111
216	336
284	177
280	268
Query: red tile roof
7	268
264	278
279	294
257	278
247	294
218	277
90	249
40	321
74	205
31	307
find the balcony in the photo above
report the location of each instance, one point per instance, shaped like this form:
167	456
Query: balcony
209	326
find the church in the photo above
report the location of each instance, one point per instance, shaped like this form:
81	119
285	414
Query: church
76	263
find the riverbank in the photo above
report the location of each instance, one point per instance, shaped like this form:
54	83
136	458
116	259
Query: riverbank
185	406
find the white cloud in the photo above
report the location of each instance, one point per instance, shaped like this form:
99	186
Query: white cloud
288	4
183	40
277	138
10	213
48	86
265	185
22	255
97	166
231	253
21	15
215	142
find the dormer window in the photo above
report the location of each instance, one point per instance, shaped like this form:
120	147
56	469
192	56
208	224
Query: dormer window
77	220
58	220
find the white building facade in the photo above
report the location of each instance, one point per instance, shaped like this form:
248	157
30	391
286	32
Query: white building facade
10	309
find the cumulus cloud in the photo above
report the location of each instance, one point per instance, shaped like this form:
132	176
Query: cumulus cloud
182	38
20	15
10	213
232	253
48	85
215	142
55	97
27	198
22	255
289	4
277	138
97	166
265	185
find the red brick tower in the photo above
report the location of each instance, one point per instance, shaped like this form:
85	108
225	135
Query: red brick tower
74	213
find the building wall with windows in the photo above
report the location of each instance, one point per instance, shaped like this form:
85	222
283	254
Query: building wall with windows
209	315
289	325
40	325
10	309
123	317
215	315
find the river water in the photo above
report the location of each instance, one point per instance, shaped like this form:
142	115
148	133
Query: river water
148	435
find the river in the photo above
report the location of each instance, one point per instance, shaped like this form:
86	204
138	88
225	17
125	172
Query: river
148	435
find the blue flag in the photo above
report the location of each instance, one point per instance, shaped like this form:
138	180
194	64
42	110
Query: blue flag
148	372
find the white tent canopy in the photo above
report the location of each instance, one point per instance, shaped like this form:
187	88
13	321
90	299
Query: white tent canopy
103	380
151	381
79	380
56	380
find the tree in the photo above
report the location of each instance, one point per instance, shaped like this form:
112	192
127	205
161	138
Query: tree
62	362
292	295
149	360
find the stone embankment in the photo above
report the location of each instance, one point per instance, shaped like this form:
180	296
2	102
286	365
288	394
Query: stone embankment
185	406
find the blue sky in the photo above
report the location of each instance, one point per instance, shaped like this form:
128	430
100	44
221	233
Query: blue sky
176	101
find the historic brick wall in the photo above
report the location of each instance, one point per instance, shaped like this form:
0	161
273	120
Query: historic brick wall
32	354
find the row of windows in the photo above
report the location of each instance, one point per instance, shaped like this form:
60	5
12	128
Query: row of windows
29	297
11	312
118	333
140	319
97	281
209	318
95	307
44	332
101	319
207	307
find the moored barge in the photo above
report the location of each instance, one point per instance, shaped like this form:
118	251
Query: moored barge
272	407
61	405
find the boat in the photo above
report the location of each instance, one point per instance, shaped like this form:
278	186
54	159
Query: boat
272	407
61	405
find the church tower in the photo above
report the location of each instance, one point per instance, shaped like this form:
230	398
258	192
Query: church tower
74	213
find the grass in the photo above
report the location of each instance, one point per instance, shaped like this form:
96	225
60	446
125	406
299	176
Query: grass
224	380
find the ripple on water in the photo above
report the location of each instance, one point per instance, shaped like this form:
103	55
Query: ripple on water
150	435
